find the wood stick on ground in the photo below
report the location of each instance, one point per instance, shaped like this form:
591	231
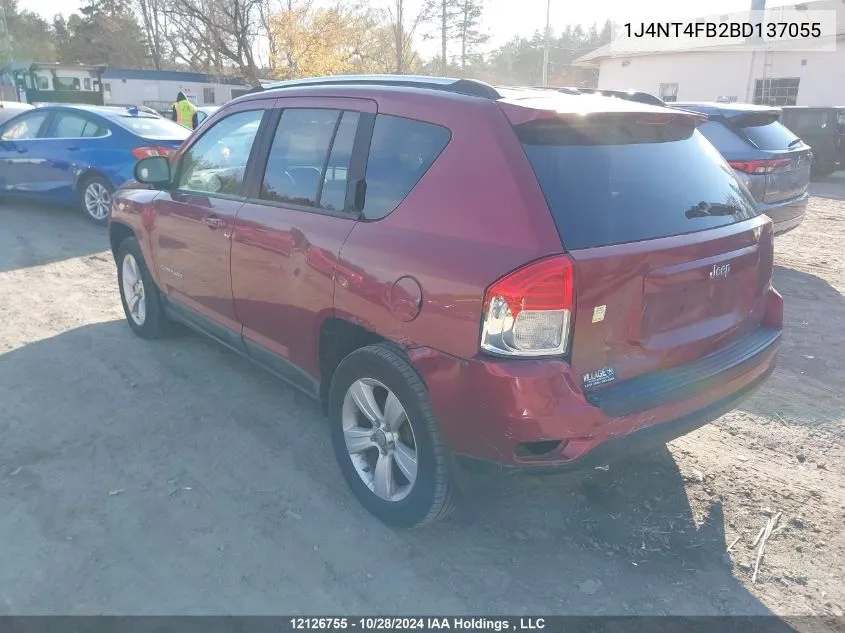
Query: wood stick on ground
735	541
769	527
759	534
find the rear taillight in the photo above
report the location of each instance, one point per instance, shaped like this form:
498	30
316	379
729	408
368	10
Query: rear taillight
760	166
152	150
529	312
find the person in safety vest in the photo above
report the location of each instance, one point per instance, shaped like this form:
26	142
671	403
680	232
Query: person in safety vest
184	112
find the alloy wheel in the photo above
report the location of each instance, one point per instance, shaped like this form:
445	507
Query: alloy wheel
133	289
379	439
97	200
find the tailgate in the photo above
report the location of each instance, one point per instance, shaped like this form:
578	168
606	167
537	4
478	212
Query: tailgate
671	257
783	157
790	175
648	306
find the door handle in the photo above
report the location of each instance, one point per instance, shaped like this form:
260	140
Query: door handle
22	150
214	222
73	149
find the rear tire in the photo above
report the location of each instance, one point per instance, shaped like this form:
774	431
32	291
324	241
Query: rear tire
389	450
138	293
95	199
822	171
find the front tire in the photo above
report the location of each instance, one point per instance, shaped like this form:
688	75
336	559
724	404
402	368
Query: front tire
95	199
138	293
385	438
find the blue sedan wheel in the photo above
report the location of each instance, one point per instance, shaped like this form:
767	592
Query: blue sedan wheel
96	199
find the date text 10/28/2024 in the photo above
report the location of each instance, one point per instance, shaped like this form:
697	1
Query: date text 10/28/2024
417	623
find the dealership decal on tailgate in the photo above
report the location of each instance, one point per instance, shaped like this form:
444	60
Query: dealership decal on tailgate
598	377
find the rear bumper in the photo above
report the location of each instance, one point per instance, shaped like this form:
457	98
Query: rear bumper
786	215
617	448
533	414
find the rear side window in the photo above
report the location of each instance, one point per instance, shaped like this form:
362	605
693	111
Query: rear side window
769	136
69	125
614	180
333	194
298	155
401	151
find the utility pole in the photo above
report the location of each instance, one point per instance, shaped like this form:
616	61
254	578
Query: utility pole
546	45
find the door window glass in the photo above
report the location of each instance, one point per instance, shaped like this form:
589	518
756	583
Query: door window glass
333	195
25	127
76	126
298	155
216	163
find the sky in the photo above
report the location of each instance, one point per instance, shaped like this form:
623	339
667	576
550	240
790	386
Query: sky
506	18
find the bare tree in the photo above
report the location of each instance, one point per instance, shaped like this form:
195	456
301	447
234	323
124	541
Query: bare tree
154	20
403	30
218	32
266	10
447	16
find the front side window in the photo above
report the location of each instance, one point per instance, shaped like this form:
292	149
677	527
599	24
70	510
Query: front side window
216	163
26	127
298	157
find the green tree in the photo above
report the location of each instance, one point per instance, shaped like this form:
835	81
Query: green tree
29	35
469	29
444	18
104	31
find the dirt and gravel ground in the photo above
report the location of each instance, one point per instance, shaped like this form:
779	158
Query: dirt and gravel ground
174	477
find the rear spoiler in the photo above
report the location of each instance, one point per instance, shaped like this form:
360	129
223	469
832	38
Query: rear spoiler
629	95
702	118
753	119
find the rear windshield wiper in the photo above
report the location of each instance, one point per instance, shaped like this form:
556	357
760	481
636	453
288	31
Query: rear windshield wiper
795	142
705	209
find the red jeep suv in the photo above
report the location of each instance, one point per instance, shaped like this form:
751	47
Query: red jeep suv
460	272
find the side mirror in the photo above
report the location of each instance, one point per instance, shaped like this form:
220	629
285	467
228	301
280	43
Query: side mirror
153	170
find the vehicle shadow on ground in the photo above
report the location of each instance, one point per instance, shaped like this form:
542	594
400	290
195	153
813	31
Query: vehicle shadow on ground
806	387
42	227
831	187
208	486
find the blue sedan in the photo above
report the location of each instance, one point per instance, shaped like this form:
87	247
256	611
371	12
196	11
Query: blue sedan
79	155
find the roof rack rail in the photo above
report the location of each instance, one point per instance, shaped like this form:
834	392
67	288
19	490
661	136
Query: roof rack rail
469	87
